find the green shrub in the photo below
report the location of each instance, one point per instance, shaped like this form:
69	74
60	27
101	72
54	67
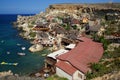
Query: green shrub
55	77
66	26
104	41
74	27
33	22
32	34
30	26
97	70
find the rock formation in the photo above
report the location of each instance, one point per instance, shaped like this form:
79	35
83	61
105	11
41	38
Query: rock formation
36	47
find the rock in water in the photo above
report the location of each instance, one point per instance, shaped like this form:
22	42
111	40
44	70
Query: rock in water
36	47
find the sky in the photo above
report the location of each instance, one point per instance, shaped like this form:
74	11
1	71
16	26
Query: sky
35	6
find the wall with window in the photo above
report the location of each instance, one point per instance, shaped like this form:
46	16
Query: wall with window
78	76
61	73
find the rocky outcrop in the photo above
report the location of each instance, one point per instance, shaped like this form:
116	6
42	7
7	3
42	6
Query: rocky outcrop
84	7
14	77
36	47
5	73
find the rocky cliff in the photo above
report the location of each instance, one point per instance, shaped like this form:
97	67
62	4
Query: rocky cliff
84	7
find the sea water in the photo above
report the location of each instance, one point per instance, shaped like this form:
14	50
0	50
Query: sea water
11	44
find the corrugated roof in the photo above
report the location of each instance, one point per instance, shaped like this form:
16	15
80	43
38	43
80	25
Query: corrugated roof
57	53
84	53
66	67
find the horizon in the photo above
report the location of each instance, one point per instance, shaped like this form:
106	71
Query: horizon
36	6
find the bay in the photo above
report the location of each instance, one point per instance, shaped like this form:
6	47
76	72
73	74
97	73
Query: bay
9	40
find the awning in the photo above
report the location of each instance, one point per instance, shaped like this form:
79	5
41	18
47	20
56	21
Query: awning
57	53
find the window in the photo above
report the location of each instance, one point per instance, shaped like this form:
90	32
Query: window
79	75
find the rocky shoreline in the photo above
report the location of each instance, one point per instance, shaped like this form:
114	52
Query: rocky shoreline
8	75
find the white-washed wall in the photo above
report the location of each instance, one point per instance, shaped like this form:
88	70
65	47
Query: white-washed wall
61	73
76	77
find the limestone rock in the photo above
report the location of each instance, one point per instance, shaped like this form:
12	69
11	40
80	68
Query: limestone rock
36	47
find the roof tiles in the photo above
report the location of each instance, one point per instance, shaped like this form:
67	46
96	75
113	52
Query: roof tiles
84	53
66	67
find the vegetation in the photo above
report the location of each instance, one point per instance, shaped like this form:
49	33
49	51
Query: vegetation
33	22
101	39
66	26
104	41
74	27
97	70
112	54
112	27
30	26
110	62
55	77
59	17
32	34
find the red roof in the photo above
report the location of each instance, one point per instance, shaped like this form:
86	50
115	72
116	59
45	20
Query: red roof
66	67
84	53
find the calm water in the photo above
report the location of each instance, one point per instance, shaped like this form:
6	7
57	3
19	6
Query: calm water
9	39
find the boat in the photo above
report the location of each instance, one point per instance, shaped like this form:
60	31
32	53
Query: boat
8	52
18	44
23	48
21	54
2	41
5	63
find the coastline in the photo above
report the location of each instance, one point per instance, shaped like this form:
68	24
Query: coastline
11	44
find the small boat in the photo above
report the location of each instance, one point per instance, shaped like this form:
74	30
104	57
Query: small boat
2	41
21	54
5	63
44	55
18	44
8	52
23	48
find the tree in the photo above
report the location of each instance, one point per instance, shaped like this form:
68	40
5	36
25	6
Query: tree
74	27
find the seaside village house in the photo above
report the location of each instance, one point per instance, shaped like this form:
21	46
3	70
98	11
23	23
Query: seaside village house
73	62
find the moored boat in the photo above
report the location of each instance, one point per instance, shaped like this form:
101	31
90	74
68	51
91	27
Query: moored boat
6	63
8	52
23	48
21	54
18	44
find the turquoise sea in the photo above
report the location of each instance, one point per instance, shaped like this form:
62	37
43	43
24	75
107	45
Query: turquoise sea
9	39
